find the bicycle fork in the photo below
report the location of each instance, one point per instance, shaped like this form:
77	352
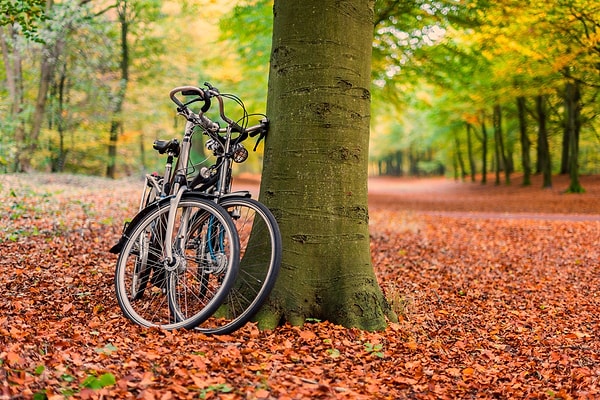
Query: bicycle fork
173	204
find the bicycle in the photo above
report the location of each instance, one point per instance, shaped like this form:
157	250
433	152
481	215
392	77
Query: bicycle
258	232
178	257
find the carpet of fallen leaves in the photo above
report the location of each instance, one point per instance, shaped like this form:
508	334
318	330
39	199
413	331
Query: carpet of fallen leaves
497	288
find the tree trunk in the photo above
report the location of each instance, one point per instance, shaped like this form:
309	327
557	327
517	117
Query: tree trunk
501	158
484	140
50	56
315	164
459	158
14	82
543	147
59	93
472	167
116	124
525	143
399	162
565	150
573	122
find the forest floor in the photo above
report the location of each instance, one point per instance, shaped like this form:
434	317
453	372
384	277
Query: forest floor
497	288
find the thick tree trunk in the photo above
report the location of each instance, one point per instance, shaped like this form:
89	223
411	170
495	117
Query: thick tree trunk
315	164
525	142
544	161
399	162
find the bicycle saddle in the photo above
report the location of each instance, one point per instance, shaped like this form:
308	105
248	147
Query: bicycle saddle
164	146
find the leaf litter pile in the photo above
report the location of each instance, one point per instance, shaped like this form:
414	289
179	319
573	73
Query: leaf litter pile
496	288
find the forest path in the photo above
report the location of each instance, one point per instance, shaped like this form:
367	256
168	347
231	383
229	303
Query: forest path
447	197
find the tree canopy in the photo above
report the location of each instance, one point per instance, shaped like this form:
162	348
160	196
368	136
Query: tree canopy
438	67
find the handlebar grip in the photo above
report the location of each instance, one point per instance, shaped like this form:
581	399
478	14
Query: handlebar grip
206	105
186	91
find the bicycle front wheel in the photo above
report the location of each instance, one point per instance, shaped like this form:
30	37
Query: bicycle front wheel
260	253
181	292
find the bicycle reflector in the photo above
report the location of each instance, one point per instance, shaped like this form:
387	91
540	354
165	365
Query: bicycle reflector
239	153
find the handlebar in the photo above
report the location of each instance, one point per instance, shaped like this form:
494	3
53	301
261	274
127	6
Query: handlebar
203	121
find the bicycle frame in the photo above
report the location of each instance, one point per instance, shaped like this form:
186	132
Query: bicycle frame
174	183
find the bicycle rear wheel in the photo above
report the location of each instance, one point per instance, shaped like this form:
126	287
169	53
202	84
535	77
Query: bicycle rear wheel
182	292
260	259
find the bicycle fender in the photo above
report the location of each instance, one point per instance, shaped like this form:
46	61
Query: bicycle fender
240	193
116	249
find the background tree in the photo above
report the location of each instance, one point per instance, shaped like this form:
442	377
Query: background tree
316	159
464	56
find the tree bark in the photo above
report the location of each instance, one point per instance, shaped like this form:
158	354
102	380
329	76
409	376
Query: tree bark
116	124
525	142
315	164
501	158
14	81
543	147
565	150
472	166
459	158
484	150
50	56
573	123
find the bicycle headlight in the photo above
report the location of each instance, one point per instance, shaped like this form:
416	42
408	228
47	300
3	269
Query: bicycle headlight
240	154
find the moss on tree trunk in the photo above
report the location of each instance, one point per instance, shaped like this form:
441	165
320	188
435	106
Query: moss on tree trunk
315	165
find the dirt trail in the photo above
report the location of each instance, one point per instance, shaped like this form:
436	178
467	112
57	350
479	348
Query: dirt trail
447	197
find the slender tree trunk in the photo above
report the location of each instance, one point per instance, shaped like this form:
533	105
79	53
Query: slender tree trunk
315	164
543	147
50	56
525	142
484	149
116	124
501	157
14	83
565	149
472	166
573	122
459	157
59	93
455	167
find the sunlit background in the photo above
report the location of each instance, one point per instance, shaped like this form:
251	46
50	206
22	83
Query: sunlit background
445	74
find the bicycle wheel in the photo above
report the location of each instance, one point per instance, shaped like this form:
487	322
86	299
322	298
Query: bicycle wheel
260	252
153	291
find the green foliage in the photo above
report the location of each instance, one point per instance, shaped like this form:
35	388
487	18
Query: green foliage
375	349
26	14
108	349
465	56
96	383
218	388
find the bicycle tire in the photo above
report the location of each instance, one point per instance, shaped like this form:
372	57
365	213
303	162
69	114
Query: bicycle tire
260	260
170	297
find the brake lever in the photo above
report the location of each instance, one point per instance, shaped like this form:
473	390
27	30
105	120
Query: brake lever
261	137
263	132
